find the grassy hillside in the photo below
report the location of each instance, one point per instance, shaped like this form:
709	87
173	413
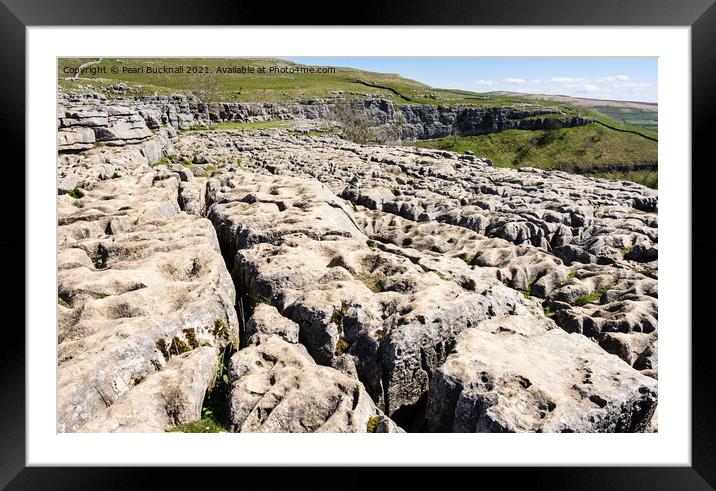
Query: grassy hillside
256	86
644	119
273	86
590	149
270	86
641	117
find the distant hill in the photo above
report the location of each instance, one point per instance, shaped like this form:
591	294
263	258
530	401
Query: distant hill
641	114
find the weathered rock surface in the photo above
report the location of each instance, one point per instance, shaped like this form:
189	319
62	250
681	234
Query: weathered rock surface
277	387
575	218
457	206
265	322
296	245
75	138
548	382
522	267
618	307
139	283
362	287
167	398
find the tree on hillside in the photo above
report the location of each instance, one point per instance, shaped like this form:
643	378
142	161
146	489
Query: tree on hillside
205	88
355	124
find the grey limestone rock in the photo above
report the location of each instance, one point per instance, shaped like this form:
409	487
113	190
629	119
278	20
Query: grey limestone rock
75	138
277	387
377	286
164	399
550	382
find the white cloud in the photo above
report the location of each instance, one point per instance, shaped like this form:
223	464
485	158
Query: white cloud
616	86
567	80
574	85
634	85
615	78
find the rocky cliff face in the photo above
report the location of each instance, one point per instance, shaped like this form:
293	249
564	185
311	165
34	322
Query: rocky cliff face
343	287
420	122
401	122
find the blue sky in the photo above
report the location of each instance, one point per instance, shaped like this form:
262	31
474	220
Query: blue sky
621	78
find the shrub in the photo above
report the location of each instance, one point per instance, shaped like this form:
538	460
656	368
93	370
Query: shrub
355	124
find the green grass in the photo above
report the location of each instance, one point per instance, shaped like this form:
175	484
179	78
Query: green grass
312	133
591	149
527	292
442	276
603	118
213	412
97	259
646	120
76	193
453	96
647	178
207	424
593	297
162	161
572	273
246	87
270	87
264	300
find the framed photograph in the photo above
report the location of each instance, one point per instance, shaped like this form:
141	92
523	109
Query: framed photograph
432	241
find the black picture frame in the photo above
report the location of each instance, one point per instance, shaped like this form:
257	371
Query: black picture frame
700	15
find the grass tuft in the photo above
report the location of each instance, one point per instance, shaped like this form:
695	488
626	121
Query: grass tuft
76	193
372	281
442	276
207	424
594	296
528	291
213	413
